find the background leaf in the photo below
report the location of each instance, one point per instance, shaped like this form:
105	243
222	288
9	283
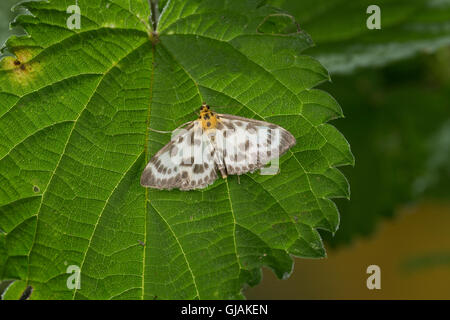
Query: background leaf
396	121
344	43
7	15
74	122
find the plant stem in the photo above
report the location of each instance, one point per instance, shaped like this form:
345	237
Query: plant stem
154	13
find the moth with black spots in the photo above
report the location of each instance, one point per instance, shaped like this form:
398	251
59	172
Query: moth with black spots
224	143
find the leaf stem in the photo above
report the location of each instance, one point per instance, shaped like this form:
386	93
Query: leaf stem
154	14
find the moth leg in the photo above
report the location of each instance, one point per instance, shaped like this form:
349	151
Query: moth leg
217	154
223	172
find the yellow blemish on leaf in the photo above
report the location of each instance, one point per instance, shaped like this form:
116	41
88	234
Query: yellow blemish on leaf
21	68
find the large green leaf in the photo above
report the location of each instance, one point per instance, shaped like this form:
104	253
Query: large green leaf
74	138
344	42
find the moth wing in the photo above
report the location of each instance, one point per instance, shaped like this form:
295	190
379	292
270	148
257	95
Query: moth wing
249	144
179	164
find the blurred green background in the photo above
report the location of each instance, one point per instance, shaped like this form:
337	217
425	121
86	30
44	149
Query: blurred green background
394	87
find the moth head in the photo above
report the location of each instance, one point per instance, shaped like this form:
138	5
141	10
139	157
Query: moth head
204	107
207	117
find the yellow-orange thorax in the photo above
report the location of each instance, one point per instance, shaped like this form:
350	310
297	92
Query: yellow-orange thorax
208	118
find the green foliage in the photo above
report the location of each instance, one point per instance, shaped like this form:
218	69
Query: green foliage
397	123
434	180
74	138
419	263
344	43
6	15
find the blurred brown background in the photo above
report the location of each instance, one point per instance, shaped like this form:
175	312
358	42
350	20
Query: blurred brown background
412	250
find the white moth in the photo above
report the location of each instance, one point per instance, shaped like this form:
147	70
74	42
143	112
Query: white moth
215	142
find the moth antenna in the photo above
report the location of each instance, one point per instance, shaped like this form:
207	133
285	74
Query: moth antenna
184	124
160	131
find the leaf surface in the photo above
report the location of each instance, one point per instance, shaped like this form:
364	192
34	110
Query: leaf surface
76	110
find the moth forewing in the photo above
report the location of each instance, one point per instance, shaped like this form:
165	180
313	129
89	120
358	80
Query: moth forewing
264	142
270	141
174	166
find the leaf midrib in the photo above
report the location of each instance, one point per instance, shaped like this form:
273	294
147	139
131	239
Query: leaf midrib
146	156
194	281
